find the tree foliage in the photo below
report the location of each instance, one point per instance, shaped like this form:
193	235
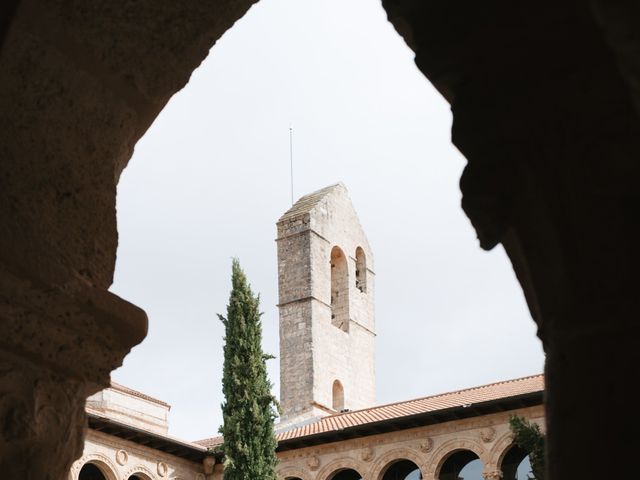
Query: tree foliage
527	436
249	408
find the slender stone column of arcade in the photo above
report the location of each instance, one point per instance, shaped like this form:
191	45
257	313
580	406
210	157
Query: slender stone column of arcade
548	125
80	82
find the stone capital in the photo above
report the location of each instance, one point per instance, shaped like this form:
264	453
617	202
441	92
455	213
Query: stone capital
492	475
57	346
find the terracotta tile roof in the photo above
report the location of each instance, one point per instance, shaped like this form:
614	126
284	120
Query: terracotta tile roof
209	442
100	422
459	398
309	202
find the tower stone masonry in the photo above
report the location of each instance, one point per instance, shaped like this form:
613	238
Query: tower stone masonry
326	302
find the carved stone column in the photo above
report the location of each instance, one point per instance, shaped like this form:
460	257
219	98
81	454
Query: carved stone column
56	348
492	475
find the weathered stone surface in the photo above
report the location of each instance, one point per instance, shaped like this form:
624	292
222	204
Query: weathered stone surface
57	347
543	112
327	327
371	456
542	97
81	82
119	459
43	419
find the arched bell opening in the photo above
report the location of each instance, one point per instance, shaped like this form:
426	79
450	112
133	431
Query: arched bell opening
339	290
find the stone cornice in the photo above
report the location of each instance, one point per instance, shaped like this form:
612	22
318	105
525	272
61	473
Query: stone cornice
84	332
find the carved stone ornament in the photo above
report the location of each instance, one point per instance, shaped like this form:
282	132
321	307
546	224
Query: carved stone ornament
493	475
199	476
426	445
313	462
162	469
487	434
208	464
122	457
367	454
42	410
63	344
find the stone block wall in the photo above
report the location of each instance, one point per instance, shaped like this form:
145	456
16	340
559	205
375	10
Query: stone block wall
487	436
314	350
119	459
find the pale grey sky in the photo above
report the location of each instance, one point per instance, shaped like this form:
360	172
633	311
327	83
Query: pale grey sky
211	177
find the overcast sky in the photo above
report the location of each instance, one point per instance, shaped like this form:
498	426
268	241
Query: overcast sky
211	177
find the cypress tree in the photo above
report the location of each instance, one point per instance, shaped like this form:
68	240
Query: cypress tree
249	408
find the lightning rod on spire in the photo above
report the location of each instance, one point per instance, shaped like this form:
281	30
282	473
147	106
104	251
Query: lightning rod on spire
291	158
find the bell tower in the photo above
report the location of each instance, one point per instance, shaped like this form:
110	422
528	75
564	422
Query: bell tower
326	303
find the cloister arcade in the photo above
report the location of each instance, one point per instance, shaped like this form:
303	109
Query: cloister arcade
462	459
475	448
95	471
464	466
459	465
91	471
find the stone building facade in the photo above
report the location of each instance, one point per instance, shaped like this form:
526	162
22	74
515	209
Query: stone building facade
331	427
127	440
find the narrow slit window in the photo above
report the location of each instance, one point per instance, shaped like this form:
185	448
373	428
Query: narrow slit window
361	270
338	396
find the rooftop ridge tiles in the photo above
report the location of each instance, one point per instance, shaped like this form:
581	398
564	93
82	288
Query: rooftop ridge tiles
340	421
137	393
306	203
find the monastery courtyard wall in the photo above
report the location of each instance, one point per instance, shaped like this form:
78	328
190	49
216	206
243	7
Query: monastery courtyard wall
428	447
488	436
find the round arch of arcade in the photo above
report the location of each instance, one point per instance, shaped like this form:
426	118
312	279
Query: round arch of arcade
383	463
497	453
104	463
335	466
141	472
291	472
450	447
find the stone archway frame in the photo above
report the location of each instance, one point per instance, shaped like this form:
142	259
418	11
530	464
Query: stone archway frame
381	465
100	460
340	464
142	470
292	472
499	450
450	447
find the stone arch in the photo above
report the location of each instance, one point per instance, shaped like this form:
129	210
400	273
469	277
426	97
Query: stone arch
335	466
339	289
141	472
499	450
452	446
291	473
385	461
361	270
104	464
